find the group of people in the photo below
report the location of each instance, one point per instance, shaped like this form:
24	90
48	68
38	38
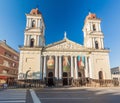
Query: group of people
4	85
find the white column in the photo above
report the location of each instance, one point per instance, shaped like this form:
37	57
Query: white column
86	67
56	67
90	68
93	42
60	68
44	69
91	26
38	40
30	23
28	40
25	40
72	66
99	27
76	69
36	22
102	43
41	67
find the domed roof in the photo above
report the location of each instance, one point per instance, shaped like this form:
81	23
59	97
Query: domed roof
35	11
91	16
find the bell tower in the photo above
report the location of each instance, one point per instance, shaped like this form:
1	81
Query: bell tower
34	41
93	36
35	29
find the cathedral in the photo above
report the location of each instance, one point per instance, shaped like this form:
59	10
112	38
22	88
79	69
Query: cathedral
64	61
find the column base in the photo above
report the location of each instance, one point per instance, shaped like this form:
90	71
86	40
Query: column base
60	83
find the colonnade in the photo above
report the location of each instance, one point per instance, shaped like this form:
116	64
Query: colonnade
58	68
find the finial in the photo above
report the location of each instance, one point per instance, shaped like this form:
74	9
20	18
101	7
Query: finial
65	35
89	11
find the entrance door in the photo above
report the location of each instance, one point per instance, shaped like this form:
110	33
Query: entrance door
50	79
65	78
100	75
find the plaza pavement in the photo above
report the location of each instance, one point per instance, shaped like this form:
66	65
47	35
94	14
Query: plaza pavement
79	95
62	95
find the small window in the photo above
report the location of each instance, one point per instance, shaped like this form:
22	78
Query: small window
96	45
6	63
15	57
94	28
13	64
32	42
33	23
4	71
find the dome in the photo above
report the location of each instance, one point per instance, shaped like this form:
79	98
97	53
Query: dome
91	16
35	11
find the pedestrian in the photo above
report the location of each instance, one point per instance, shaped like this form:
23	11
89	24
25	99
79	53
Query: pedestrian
5	85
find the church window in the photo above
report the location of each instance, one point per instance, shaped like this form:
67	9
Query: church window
96	45
33	23
94	28
32	42
100	75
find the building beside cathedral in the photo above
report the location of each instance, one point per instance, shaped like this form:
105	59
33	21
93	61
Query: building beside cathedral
9	61
63	61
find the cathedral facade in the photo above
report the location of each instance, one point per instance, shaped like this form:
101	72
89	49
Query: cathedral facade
65	60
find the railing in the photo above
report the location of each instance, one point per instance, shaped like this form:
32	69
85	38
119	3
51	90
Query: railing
73	82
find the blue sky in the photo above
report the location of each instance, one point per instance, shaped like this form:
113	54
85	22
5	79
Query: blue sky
60	16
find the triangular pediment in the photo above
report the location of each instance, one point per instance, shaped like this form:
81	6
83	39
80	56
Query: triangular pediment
65	45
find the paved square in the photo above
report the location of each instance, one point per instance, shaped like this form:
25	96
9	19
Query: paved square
79	95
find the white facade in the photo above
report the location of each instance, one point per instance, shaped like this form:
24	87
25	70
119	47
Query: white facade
38	61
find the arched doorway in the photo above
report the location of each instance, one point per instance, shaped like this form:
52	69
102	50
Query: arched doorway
65	78
50	79
79	74
100	75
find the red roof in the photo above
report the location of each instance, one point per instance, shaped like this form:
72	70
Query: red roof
91	16
35	11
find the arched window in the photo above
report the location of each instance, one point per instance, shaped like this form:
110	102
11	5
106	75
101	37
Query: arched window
32	42
94	28
96	45
79	74
33	23
100	74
